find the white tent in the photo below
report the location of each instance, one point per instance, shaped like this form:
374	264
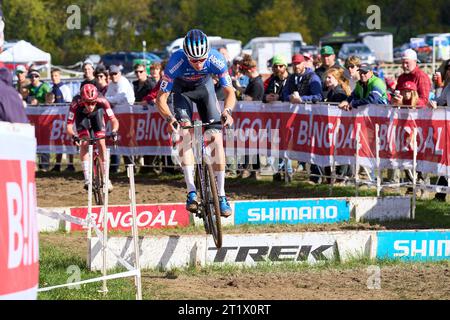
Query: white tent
23	52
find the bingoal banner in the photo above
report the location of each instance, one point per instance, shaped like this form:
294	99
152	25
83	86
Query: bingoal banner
316	133
19	247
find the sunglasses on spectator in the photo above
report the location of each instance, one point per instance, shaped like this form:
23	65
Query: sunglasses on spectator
279	66
363	72
197	60
34	76
114	74
351	66
138	71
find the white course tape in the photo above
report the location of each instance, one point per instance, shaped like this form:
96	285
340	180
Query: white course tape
433	188
84	222
121	260
62	216
109	277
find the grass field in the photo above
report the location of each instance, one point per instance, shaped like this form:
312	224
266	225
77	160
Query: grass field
61	254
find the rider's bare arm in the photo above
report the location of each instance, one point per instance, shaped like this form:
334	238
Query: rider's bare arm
115	124
161	104
230	98
69	129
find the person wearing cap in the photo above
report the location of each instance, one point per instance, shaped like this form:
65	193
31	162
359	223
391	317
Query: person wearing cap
304	85
408	90
412	72
369	90
328	58
120	90
309	60
38	89
22	81
278	79
88	73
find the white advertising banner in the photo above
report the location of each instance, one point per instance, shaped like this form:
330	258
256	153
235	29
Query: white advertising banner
19	248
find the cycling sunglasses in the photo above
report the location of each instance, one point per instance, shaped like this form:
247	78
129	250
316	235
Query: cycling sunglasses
89	103
197	60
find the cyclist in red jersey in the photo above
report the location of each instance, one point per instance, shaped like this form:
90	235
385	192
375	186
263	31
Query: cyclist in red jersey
89	110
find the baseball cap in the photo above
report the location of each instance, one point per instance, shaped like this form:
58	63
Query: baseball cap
409	54
114	69
21	69
278	59
298	58
408	85
33	71
365	67
307	56
86	62
326	50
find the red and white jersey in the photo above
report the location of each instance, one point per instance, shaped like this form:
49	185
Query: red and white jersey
77	105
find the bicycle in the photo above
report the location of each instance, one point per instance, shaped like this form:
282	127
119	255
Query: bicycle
97	172
205	182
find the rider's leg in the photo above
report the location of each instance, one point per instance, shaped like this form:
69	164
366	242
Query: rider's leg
183	113
218	163
102	155
187	159
218	159
84	157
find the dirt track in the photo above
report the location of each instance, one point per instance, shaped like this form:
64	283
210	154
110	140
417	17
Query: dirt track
430	281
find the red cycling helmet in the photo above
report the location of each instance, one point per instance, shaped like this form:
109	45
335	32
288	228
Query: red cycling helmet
89	93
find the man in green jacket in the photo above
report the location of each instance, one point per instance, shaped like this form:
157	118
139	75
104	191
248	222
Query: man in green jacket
369	90
38	89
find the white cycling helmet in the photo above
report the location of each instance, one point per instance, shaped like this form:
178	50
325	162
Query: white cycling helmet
196	44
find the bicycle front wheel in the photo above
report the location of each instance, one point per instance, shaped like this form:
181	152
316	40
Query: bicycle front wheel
212	207
97	185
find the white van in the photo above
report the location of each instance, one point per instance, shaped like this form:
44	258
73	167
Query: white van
381	43
262	49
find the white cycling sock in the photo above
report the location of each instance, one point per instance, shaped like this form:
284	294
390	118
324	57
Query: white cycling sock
189	178
220	177
85	166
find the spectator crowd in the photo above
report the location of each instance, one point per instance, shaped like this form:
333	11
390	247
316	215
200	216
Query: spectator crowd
307	79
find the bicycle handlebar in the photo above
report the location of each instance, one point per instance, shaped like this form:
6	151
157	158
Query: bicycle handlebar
200	124
96	139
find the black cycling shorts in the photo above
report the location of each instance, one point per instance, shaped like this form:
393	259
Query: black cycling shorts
205	99
86	121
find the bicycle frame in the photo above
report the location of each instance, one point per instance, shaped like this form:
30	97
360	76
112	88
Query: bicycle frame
208	207
96	167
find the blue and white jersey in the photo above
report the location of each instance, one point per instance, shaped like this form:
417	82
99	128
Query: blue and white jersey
178	68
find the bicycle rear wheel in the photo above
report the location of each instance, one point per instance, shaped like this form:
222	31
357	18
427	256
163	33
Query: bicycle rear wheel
212	207
97	183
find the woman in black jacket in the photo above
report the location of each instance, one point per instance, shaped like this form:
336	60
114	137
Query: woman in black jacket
337	85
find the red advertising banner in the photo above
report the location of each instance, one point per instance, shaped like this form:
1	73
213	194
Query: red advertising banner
315	133
19	247
148	216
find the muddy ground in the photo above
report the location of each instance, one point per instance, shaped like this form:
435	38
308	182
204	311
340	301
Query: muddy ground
402	281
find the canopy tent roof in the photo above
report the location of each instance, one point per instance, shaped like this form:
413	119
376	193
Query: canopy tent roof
23	52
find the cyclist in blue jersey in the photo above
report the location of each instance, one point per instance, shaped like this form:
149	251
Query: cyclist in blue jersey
188	75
